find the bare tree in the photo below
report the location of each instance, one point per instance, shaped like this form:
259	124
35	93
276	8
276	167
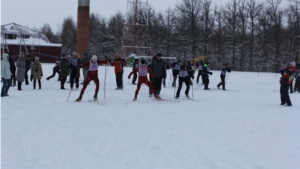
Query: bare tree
68	35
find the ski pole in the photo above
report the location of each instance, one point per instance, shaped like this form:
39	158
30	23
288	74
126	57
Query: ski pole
73	84
192	90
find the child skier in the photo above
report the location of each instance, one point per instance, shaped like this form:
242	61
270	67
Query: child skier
91	75
225	69
183	77
143	70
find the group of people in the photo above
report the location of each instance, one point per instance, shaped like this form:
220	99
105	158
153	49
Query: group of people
12	72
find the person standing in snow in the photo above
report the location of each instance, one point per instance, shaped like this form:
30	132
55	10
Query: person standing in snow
118	63
200	68
28	66
134	66
64	71
36	72
92	75
158	67
21	70
225	69
191	71
183	77
143	70
285	80
5	75
55	70
86	68
175	71
12	70
297	84
205	75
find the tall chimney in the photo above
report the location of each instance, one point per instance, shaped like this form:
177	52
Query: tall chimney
83	26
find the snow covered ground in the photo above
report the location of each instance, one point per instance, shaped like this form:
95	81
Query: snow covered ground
241	128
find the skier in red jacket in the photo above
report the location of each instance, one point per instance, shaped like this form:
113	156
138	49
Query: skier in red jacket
143	70
91	75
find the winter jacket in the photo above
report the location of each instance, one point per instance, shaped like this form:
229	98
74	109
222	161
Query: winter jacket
83	61
287	75
176	68
118	64
225	70
64	67
36	70
28	64
5	69
74	64
158	67
21	69
12	65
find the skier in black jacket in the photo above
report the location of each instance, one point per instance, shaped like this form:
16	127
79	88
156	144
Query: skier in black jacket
205	77
225	69
74	64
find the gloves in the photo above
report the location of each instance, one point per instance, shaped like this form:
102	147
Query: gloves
31	77
41	74
210	73
128	77
2	78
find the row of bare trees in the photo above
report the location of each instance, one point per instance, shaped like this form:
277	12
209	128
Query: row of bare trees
248	35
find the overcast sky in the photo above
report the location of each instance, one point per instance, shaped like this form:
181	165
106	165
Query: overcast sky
34	13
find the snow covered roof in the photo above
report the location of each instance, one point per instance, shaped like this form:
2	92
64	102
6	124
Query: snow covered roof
33	38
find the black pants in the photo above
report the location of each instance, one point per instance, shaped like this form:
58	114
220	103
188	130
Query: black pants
284	95
119	80
13	78
205	80
134	77
63	81
157	84
74	77
174	79
26	77
186	80
53	74
222	83
297	85
34	82
199	74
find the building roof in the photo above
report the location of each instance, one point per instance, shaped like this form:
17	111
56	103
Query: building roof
35	38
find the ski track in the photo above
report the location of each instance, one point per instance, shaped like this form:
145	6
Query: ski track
243	127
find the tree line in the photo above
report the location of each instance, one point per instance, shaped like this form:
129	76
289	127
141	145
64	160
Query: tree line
246	34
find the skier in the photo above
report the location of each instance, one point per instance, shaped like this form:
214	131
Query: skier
183	77
200	67
64	71
74	64
285	81
143	69
175	71
191	71
225	69
118	63
92	75
55	70
205	77
134	66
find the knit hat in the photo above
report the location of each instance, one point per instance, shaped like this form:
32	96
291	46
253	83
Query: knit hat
37	58
143	61
4	55
182	67
292	63
94	57
74	53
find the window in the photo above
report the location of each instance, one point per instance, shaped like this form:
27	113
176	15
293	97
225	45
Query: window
10	36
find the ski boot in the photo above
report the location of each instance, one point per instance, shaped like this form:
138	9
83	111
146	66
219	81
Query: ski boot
187	95
79	99
95	98
157	97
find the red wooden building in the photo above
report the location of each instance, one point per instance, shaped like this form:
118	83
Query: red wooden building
16	39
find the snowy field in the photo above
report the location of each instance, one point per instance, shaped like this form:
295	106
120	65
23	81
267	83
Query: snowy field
241	128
